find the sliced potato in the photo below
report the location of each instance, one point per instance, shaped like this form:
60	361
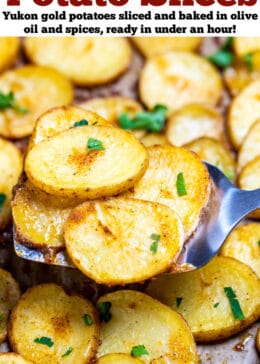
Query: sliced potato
244	244
176	79
258	340
239	76
87	61
250	148
244	111
58	119
35	89
200	297
245	45
249	179
39	218
12	358
9	295
49	326
118	359
151	46
137	319
153	139
10	169
159	183
102	243
211	151
194	121
9	47
64	166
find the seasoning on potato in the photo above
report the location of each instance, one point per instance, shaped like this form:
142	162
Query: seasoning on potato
9	48
13	358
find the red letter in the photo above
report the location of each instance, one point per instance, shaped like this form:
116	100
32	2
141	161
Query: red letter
63	2
175	3
101	2
13	2
247	2
43	2
153	2
119	2
206	2
227	2
81	2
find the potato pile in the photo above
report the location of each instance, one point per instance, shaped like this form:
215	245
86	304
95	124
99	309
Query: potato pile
119	185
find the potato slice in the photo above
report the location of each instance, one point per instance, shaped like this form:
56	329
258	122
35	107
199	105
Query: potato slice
176	79
10	169
35	89
87	61
137	319
154	139
118	359
12	358
194	121
39	218
64	165
244	111
158	184
49	326
200	297
249	179
244	244
9	47
258	340
9	295
102	243
211	151
250	148
239	76
151	46
245	45
59	119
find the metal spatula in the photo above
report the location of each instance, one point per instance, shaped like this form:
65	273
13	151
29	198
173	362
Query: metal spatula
228	206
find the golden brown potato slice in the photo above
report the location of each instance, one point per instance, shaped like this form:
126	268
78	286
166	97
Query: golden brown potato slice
12	358
245	45
244	244
9	295
176	79
194	121
120	240
139	324
250	148
9	47
87	162
201	296
33	91
154	139
211	151
10	169
177	178
249	179
59	119
151	46
243	112
49	326
258	340
39	218
118	359
87	61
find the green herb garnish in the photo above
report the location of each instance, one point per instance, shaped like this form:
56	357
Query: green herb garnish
216	304
104	308
258	242
44	341
1	317
224	57
7	101
234	304
139	351
152	121
248	60
3	198
180	185
95	123
229	175
80	123
87	319
178	301
94	144
67	353
155	243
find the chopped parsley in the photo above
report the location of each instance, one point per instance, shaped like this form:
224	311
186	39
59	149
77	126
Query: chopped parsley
248	60
67	353
178	301
44	341
180	185
229	175
80	123
1	317
152	121
104	313
2	199
87	319
216	304
95	123
234	304
139	350
155	243
7	101
258	242
224	57
94	144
